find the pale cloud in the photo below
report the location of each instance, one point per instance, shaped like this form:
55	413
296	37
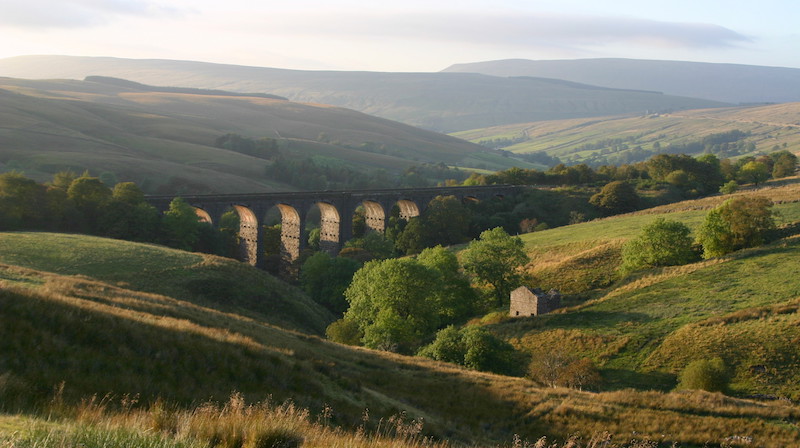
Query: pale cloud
77	13
520	30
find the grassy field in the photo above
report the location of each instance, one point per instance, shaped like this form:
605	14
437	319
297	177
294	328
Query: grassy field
209	280
643	329
768	126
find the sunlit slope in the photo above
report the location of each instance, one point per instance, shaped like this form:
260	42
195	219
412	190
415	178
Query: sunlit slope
100	337
642	330
444	102
164	140
207	280
767	127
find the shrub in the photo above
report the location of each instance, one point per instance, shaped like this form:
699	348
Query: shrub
661	243
736	224
475	348
344	332
704	374
729	187
557	368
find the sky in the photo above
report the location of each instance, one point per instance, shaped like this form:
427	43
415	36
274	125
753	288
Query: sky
404	36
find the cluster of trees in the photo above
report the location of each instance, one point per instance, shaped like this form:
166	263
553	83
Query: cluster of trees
738	223
402	304
701	175
264	148
84	204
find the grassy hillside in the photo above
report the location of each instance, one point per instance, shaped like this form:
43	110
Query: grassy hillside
207	280
642	330
615	139
104	334
163	139
444	102
732	83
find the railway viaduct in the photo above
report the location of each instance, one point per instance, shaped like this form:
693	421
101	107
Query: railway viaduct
336	209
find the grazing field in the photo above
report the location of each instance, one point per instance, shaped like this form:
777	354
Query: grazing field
632	138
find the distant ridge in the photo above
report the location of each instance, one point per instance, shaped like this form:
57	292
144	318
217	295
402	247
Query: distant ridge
731	83
118	82
443	102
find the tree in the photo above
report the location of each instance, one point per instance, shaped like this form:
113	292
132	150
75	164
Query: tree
736	224
785	164
127	192
390	301
377	245
616	197
754	172
704	374
89	196
495	259
457	300
325	278
446	221
22	202
660	243
181	225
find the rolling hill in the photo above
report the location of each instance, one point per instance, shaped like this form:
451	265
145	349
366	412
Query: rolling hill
645	328
731	83
163	138
624	139
100	327
444	102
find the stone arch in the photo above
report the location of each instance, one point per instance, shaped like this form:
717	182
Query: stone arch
375	216
470	200
329	228
408	209
203	215
248	234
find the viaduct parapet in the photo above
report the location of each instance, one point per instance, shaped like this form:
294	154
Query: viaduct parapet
336	209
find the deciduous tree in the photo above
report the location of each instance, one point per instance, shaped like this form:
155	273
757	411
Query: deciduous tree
736	224
495	260
392	303
660	243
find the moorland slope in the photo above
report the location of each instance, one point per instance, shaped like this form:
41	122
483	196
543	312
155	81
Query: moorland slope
163	139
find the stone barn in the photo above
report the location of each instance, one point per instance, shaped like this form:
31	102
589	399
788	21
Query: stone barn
532	302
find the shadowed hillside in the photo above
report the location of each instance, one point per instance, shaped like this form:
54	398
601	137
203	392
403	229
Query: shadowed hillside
444	102
163	139
732	83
